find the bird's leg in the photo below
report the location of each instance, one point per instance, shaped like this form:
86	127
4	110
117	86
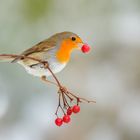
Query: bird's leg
43	78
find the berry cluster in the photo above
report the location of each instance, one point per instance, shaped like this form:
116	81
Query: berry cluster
66	118
65	101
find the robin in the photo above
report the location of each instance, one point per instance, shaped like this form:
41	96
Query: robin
56	50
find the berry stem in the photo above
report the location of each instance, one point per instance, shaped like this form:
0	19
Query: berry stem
70	98
65	101
79	99
59	106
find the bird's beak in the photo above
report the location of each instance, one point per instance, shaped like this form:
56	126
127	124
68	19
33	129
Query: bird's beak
85	48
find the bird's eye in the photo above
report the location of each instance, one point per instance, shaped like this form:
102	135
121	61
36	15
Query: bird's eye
73	38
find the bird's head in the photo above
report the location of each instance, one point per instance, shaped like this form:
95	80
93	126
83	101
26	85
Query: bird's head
68	42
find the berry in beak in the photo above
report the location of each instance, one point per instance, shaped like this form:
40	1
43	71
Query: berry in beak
85	48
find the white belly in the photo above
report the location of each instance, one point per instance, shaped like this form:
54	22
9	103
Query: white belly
38	71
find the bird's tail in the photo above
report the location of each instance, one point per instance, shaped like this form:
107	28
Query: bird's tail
7	57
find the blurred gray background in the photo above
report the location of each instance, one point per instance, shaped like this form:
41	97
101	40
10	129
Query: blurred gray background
110	73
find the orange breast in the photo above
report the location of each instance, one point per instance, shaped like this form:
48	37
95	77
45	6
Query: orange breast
63	54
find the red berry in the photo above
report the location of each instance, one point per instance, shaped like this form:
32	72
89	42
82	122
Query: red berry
66	118
76	109
85	48
69	111
58	121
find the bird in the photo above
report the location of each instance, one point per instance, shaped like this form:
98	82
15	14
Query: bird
56	50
